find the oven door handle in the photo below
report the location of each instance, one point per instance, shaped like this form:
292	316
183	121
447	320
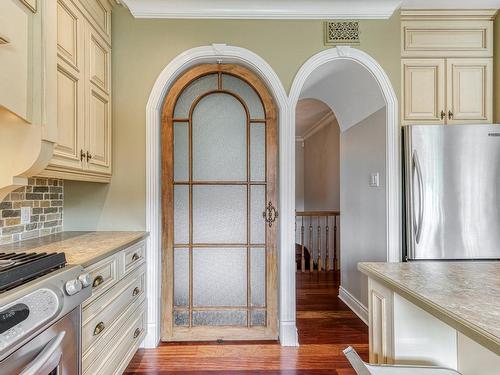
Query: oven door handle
48	359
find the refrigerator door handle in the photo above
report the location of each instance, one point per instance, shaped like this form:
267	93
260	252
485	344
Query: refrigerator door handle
418	224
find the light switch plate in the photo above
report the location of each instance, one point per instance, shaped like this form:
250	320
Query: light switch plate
25	215
374	179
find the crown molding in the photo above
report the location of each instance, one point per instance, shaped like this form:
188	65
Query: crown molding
262	9
317	126
448	14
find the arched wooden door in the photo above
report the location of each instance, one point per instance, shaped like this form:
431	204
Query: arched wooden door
219	199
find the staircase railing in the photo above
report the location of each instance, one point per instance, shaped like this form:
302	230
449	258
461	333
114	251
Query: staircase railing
317	240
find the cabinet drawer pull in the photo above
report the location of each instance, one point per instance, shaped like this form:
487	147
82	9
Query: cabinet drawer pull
97	281
137	333
135	257
99	328
136	291
4	40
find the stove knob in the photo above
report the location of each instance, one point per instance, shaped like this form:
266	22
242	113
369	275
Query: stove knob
85	279
73	287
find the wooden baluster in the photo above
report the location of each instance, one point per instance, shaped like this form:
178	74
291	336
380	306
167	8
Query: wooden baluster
327	244
311	257
303	258
320	265
335	255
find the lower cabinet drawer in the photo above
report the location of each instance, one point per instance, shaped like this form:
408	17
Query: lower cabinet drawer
101	315
114	357
104	275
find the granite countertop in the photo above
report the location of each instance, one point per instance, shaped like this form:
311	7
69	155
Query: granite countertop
83	248
465	295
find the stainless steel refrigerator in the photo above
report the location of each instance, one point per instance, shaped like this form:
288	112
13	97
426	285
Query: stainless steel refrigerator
452	191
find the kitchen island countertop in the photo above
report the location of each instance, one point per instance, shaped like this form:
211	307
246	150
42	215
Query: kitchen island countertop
465	295
83	248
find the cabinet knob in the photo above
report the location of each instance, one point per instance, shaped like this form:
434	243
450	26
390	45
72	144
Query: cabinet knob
99	328
97	281
89	156
450	115
137	332
136	291
82	155
443	115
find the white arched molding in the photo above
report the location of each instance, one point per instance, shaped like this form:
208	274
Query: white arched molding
223	54
392	133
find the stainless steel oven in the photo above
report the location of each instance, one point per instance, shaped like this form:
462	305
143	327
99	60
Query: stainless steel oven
55	351
40	324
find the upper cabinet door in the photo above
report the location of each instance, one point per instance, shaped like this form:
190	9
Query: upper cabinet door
70	86
423	91
98	130
16	58
469	90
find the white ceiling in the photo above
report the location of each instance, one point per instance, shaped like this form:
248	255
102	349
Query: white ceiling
347	88
290	9
308	113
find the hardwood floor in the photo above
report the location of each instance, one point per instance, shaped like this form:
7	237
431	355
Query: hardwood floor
325	325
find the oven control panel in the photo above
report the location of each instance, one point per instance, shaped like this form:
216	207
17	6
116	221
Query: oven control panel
24	315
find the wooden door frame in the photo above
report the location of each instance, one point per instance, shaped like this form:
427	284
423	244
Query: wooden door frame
210	333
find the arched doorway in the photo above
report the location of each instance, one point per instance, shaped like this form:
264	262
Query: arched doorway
359	92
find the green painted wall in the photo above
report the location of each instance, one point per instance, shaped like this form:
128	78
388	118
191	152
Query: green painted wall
142	48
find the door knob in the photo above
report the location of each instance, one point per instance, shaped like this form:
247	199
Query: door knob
270	214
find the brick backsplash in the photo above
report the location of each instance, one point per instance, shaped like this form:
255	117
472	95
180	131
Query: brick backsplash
45	197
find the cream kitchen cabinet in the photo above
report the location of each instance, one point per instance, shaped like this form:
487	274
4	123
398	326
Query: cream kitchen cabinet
28	111
446	66
447	91
423	90
83	150
114	317
469	90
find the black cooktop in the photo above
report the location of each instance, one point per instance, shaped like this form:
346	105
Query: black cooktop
19	268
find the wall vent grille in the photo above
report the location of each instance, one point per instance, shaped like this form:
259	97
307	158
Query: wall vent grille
341	32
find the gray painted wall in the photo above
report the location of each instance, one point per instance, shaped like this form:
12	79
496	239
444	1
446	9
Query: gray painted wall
363	229
322	169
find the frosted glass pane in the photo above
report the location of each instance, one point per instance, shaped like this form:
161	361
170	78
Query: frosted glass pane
258	276
219	139
257	222
181	318
181	277
193	91
220	318
258	317
257	152
219	277
181	214
219	214
246	92
181	155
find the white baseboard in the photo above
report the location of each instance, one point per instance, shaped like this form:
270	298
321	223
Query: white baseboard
357	307
152	339
288	334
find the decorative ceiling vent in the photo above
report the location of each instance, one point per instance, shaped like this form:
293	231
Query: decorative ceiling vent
341	32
